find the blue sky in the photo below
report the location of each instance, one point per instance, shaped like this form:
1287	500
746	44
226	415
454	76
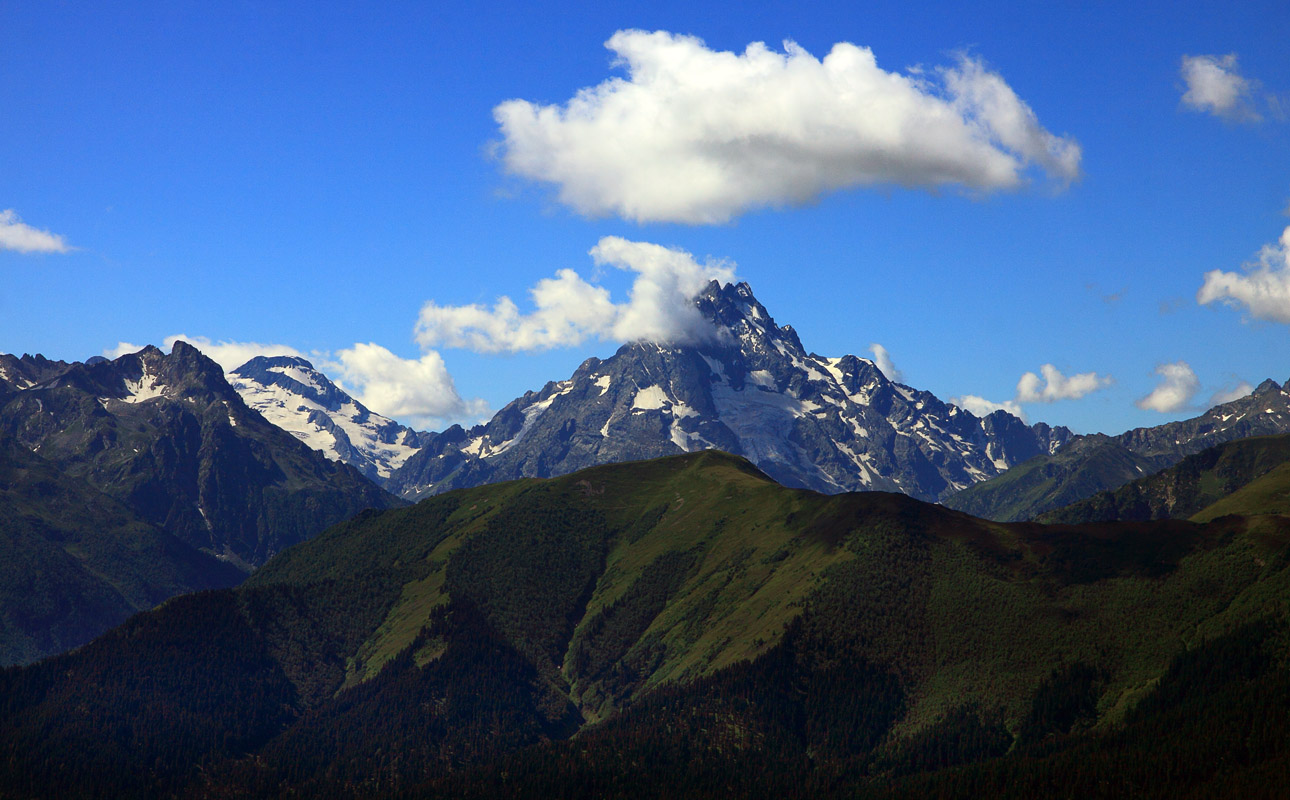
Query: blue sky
313	175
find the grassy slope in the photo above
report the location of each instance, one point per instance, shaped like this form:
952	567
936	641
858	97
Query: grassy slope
1268	494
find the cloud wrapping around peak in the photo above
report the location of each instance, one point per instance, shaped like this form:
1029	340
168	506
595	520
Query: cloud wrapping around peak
569	310
1264	288
882	359
1178	385
1215	86
1055	386
21	237
699	136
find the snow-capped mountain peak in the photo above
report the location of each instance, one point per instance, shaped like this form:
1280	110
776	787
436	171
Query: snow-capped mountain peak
295	396
831	424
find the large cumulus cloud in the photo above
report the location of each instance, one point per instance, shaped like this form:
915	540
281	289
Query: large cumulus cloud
698	136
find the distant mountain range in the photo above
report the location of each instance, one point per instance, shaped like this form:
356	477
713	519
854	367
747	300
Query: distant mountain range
181	466
139	478
1091	464
1241	476
829	424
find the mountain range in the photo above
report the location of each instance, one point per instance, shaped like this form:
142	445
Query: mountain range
132	480
191	472
1091	464
828	424
800	620
751	388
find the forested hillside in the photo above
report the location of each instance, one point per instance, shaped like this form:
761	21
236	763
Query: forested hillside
686	627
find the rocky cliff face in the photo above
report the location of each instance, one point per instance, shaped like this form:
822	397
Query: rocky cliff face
829	424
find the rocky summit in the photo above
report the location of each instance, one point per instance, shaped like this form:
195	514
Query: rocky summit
749	388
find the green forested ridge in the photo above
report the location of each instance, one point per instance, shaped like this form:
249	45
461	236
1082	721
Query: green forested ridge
703	632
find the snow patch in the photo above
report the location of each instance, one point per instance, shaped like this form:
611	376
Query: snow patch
294	413
762	377
762	421
649	398
717	368
531	415
146	388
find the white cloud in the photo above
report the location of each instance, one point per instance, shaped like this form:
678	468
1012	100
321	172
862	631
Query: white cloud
1178	385
984	408
1228	395
1055	386
1214	85
570	310
699	136
419	391
18	235
882	358
1264	288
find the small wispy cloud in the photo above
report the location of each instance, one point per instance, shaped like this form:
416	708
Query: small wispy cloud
570	310
699	136
19	236
1054	386
1214	85
882	359
1049	386
1178	385
1231	393
1262	288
